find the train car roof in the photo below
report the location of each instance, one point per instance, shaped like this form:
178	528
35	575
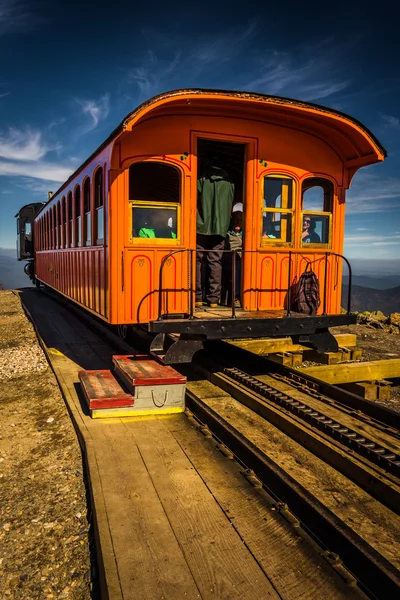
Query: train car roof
360	140
33	204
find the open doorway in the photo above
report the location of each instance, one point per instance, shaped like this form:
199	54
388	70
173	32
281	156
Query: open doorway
220	172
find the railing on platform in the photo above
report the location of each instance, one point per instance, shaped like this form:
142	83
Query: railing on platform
234	253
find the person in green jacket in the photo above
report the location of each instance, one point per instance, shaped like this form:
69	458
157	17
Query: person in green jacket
154	226
215	192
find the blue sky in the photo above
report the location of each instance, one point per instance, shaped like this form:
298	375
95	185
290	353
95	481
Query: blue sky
70	72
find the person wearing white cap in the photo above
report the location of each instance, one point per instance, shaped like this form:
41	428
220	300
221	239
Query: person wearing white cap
238	207
234	242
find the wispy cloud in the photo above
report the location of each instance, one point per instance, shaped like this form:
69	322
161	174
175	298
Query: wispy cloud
22	153
20	144
375	240
41	170
309	72
95	110
16	16
4	94
165	64
37	186
391	121
305	75
371	193
151	74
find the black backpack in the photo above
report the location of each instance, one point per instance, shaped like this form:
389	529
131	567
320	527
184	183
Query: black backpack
306	299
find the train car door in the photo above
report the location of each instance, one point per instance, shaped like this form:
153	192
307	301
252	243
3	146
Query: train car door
220	162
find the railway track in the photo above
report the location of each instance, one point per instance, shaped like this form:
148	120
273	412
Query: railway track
374	466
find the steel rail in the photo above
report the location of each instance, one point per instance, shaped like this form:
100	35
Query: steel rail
377	454
261	365
379	484
376	575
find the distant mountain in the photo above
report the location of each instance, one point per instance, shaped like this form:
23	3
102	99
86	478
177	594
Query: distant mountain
377	283
12	274
11	252
364	298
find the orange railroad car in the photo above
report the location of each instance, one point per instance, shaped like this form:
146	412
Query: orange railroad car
289	161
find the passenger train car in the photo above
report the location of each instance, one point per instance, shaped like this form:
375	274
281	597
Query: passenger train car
288	160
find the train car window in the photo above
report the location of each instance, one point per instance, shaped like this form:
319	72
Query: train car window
155	222
53	228
87	223
154	201
78	218
47	231
317	202
70	242
63	224
99	206
277	211
154	182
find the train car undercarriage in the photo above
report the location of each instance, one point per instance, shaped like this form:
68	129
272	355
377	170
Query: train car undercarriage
178	339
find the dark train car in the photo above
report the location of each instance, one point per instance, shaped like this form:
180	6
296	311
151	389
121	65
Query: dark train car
25	236
290	162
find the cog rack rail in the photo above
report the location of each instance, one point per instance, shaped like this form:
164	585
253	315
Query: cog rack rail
363	446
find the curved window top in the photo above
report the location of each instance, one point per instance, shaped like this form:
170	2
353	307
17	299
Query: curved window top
86	195
277	192
317	194
154	182
78	201
98	188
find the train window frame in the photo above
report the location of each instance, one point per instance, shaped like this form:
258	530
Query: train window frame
63	241
78	217
59	227
327	213
53	227
139	241
70	219
87	214
266	241
98	206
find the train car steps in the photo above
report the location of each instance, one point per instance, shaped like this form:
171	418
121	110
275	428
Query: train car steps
137	385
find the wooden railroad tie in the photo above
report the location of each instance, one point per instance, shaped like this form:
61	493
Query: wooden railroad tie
370	390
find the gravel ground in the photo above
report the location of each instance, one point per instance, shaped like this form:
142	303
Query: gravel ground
44	530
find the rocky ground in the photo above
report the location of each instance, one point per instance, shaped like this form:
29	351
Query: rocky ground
45	539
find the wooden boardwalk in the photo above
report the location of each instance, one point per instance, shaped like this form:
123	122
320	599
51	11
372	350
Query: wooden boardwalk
174	518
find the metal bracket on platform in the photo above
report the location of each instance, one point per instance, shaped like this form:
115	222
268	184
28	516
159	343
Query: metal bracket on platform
322	341
172	351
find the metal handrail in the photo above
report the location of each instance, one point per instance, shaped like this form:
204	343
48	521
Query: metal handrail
233	253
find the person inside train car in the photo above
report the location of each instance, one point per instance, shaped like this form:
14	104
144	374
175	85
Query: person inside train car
156	227
234	242
309	235
215	193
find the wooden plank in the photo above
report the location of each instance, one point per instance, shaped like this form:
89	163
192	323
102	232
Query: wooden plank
151	564
273	542
351	372
326	358
268	346
221	564
365	389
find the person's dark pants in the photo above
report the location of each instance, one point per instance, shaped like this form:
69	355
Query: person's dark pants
209	289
